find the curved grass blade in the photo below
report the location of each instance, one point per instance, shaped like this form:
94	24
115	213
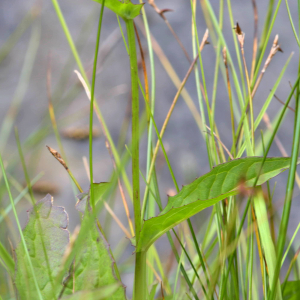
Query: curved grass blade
218	184
266	238
292	23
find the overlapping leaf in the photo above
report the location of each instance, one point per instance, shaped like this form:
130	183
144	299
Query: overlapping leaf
292	290
92	273
94	266
46	239
205	191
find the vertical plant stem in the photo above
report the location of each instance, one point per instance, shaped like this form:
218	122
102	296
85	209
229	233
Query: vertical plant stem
140	258
92	105
222	292
230	101
289	190
140	276
96	107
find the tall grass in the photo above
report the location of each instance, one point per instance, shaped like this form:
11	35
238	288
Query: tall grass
242	249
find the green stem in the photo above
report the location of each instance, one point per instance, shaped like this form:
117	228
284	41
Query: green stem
140	258
222	292
140	276
289	191
92	106
135	126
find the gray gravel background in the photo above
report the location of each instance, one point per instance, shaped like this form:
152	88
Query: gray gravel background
187	151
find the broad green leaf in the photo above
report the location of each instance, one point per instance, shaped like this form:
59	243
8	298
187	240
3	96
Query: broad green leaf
46	238
97	294
220	183
93	267
125	9
92	273
291	290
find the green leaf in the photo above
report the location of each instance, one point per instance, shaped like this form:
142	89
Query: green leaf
97	294
220	183
153	291
93	267
46	238
291	290
99	190
125	10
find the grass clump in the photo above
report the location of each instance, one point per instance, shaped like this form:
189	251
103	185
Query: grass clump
241	250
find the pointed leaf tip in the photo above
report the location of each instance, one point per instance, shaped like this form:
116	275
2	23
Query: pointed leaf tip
218	184
125	10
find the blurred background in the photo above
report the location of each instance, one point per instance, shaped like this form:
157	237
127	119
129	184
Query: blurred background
33	43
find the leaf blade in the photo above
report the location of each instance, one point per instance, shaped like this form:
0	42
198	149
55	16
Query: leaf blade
46	240
216	185
94	266
291	290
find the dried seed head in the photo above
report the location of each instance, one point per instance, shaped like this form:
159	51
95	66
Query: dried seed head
276	46
57	156
238	29
240	34
204	40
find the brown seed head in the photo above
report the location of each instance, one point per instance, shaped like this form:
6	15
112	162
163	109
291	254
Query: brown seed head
57	156
240	34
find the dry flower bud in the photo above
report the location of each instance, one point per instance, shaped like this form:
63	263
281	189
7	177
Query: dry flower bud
238	29
275	48
57	156
240	34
